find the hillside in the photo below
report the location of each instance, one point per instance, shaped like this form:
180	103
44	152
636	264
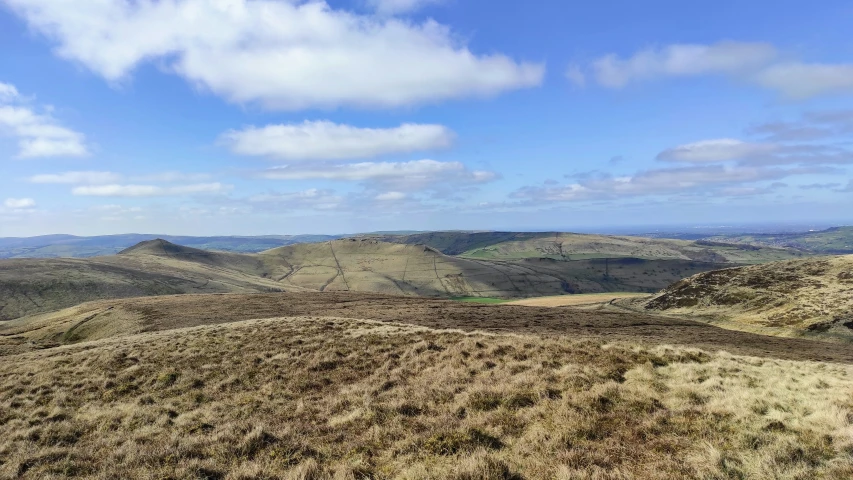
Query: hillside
569	246
812	295
575	246
104	319
41	285
838	240
457	242
69	246
158	267
343	386
375	266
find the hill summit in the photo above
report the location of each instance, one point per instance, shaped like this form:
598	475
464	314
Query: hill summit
159	246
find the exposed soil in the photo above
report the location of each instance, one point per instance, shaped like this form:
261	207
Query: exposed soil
178	311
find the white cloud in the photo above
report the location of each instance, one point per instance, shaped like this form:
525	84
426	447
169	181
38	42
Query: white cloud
397	7
704	179
39	135
288	55
746	153
173	177
756	63
812	126
391	196
323	140
717	150
414	175
8	92
682	60
311	198
19	203
77	178
150	190
576	75
805	80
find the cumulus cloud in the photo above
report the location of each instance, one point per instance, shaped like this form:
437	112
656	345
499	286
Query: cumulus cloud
682	60
390	196
820	186
748	153
718	150
287	55
806	80
752	62
397	7
38	134
324	140
173	177
575	75
312	198
692	179
812	126
77	178
8	92
413	175
116	190
19	203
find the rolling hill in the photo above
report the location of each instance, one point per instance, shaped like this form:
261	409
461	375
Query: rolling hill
575	246
69	246
348	386
158	267
799	296
832	241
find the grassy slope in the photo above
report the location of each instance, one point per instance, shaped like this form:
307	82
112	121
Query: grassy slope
577	246
364	265
831	241
312	398
814	295
42	285
456	243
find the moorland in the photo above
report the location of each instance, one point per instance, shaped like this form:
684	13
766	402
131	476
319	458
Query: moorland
354	359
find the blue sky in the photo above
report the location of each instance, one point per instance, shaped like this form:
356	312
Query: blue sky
284	117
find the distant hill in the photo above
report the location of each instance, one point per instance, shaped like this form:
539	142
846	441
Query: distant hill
575	246
811	295
459	242
69	246
833	241
159	267
43	285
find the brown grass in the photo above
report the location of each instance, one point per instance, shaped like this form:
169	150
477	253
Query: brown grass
588	299
322	398
792	298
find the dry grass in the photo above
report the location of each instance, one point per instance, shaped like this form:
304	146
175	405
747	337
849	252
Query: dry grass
317	398
588	299
812	296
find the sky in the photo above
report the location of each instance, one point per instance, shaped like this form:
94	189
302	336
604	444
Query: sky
251	117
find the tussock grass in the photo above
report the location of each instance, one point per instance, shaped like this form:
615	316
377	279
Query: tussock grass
330	398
